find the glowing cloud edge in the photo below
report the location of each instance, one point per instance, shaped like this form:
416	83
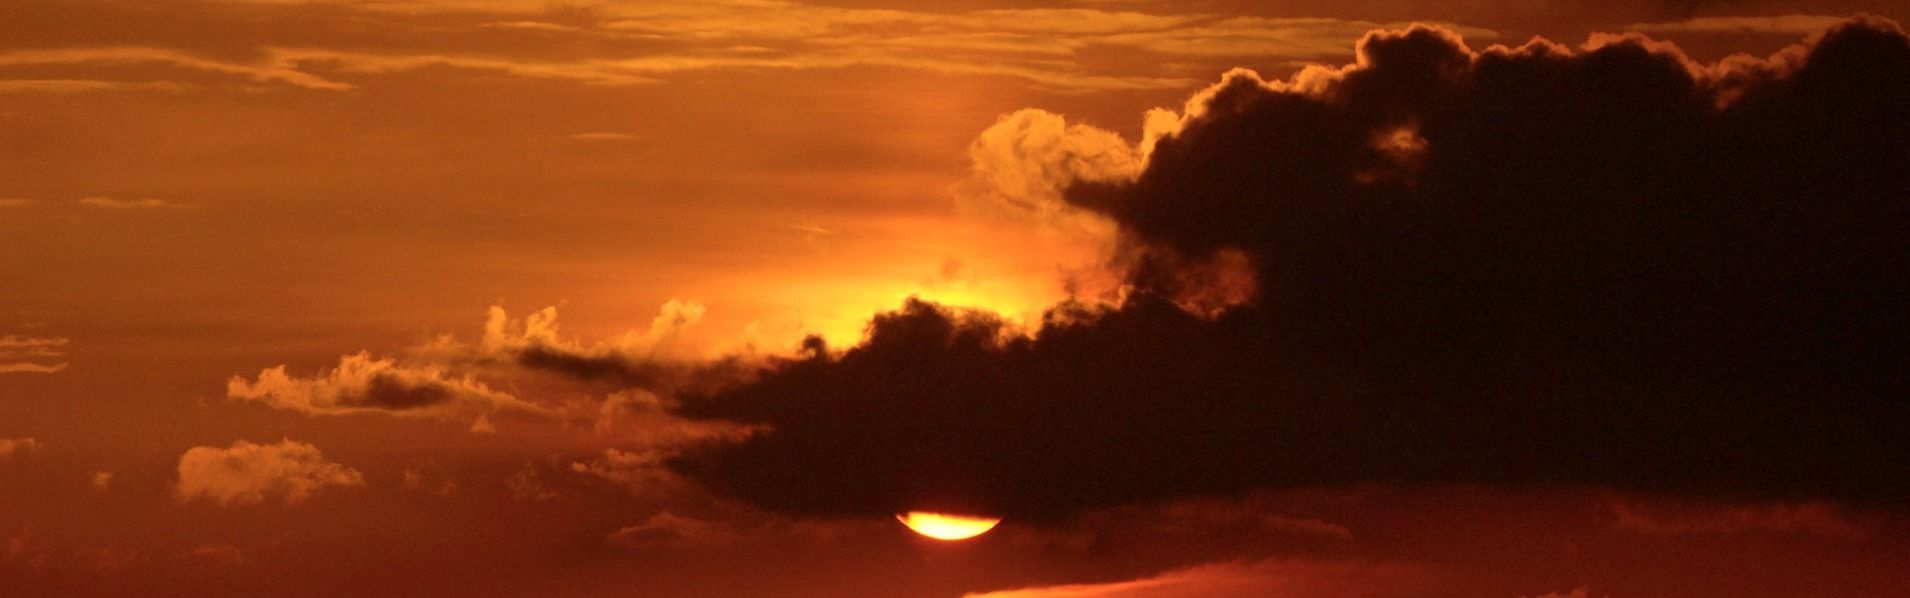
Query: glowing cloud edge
946	527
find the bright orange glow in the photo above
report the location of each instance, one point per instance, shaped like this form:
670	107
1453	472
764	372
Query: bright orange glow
942	526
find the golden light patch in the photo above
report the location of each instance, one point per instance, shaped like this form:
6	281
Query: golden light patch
942	526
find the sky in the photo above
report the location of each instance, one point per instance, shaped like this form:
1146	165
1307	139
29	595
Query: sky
1521	299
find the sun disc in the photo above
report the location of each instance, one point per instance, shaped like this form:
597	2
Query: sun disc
943	526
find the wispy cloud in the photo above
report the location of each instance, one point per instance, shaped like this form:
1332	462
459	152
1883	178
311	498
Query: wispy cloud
133	55
63	86
125	204
32	355
643	43
601	137
1772	25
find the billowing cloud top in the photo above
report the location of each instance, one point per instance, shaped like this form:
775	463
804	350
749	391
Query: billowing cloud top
1609	264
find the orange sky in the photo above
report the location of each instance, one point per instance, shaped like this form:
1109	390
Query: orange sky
193	193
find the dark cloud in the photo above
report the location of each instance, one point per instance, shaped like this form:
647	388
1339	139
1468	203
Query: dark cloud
1609	266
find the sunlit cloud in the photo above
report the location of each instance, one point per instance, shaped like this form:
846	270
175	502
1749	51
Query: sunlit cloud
1315	579
363	384
249	474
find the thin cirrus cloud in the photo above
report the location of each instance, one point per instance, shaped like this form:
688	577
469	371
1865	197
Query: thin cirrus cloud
111	203
1277	577
247	474
102	57
1771	25
1438	269
644	43
32	355
67	86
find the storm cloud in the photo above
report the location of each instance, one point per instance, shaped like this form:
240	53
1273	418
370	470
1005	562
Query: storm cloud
1606	265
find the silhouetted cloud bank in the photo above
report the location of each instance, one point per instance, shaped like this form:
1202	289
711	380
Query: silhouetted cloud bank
1607	265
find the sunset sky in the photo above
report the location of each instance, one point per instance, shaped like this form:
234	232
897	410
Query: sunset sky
1373	298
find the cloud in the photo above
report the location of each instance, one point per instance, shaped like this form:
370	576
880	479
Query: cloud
31	368
66	86
23	446
527	484
1319	579
668	530
1681	518
1578	592
101	480
628	44
273	72
250	474
431	477
601	136
15	351
223	555
1794	25
125	204
1021	164
362	384
655	358
1608	265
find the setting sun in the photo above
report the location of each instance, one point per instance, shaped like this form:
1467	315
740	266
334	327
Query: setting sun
942	526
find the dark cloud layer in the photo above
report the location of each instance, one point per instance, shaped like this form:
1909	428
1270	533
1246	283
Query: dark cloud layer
1609	266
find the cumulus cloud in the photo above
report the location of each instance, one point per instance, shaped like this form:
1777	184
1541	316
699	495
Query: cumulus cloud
1026	159
249	474
1608	264
653	358
363	384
